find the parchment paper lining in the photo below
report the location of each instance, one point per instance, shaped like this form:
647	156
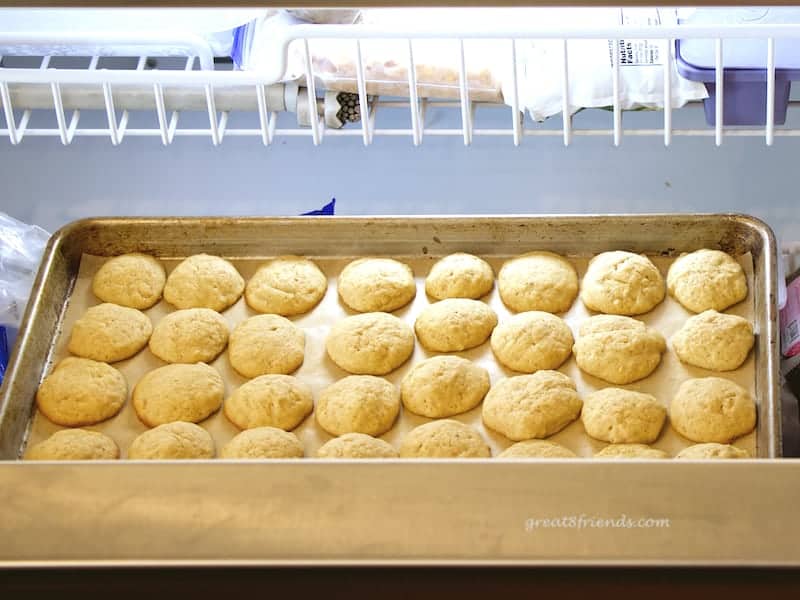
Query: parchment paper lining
319	371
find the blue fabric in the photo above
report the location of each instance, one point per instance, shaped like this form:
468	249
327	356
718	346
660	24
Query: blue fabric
327	210
3	352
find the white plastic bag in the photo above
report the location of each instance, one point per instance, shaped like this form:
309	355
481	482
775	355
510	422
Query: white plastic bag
21	248
386	61
539	65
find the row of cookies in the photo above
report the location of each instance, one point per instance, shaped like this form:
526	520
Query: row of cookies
616	282
520	407
617	349
445	438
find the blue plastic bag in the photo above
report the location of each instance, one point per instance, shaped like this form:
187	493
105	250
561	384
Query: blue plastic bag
326	211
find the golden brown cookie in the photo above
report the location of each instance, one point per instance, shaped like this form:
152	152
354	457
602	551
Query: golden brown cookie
623	416
444	438
714	341
707	280
172	441
712	409
204	281
454	325
110	333
444	386
263	442
75	444
531	406
358	404
625	451
356	445
712	450
376	285
540	281
190	336
532	341
288	285
266	344
537	449
280	401
80	391
459	275
178	392
622	283
617	349
133	280
370	344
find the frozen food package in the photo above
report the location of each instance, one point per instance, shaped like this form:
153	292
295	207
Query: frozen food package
125	32
641	83
386	60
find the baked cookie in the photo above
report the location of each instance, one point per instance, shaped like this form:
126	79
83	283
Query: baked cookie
80	391
444	439
444	386
263	442
172	441
714	341
618	350
712	450
531	406
132	280
356	445
280	401
178	392
454	325
370	344
376	285
110	333
538	281
622	416
75	444
190	336
712	409
532	341
358	404
622	283
459	275
288	285
630	451
266	344
537	449
204	281
706	280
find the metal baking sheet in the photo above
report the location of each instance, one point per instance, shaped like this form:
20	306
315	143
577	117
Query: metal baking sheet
319	371
436	511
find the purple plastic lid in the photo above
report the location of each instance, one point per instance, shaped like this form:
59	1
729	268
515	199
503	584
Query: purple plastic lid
744	60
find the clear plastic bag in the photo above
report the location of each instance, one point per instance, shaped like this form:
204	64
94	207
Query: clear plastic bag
21	247
386	61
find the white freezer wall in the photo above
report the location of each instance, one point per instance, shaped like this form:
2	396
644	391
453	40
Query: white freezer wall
50	184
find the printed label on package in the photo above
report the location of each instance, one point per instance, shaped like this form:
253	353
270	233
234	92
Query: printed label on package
637	53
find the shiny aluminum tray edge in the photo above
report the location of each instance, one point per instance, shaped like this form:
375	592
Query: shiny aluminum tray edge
35	497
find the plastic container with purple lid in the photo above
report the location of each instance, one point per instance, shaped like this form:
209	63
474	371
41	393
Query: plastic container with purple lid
744	62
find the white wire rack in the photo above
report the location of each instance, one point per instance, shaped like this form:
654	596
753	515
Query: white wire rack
217	93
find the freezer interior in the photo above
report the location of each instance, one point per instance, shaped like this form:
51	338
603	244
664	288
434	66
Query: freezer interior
404	133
